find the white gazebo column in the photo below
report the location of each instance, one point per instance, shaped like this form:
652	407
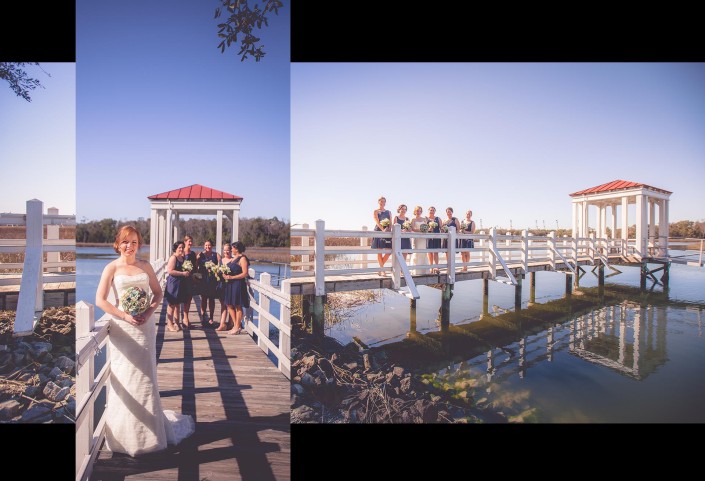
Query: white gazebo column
153	236
576	215
236	225
161	242
176	231
625	218
652	222
613	223
584	229
663	228
603	221
168	233
219	230
641	222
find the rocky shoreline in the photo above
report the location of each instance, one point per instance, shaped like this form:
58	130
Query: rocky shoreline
37	372
355	384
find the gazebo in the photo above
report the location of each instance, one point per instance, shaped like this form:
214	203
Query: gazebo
195	199
622	193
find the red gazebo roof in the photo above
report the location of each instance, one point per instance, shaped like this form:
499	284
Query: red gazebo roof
616	185
195	192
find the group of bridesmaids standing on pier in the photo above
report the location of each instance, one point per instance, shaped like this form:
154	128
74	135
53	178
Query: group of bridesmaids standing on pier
211	276
420	223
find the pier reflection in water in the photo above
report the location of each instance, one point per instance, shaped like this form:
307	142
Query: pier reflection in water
604	353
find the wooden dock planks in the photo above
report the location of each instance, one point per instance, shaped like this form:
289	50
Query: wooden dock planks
239	400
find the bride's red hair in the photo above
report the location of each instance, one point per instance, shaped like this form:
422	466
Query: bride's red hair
123	233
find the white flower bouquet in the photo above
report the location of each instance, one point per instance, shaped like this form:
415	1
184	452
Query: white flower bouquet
444	229
385	223
432	225
187	266
406	226
222	270
423	227
211	269
134	301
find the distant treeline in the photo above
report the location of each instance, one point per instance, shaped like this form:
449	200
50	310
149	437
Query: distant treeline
257	231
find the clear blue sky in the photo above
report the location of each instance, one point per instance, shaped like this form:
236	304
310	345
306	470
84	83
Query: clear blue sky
159	108
509	141
38	141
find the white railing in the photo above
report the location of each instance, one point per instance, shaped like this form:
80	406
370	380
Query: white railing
91	337
35	271
268	293
493	252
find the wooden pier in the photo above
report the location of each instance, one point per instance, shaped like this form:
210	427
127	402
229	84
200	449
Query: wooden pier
238	398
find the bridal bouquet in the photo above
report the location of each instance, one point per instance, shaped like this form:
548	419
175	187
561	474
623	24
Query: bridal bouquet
423	227
223	269
385	223
432	225
187	266
406	225
211	268
134	301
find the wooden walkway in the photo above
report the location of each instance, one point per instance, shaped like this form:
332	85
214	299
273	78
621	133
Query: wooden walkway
236	395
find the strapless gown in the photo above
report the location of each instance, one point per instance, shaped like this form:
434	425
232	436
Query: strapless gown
135	421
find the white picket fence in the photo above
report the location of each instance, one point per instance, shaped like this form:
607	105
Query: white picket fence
92	336
492	251
35	271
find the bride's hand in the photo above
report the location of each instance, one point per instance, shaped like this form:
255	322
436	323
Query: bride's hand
135	321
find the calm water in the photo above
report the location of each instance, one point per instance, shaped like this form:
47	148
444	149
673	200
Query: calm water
639	359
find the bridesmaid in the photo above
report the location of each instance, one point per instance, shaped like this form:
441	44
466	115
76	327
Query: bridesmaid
467	243
189	282
237	296
208	282
174	292
400	218
434	243
451	221
416	223
224	260
378	242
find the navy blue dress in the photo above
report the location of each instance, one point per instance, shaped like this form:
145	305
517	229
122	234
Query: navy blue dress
187	282
468	243
235	291
174	292
405	243
434	243
452	223
208	282
382	243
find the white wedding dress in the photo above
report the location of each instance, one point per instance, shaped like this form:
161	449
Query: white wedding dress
421	257
135	421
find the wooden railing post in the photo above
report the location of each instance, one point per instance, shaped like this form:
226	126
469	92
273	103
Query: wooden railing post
319	256
85	375
284	339
450	261
53	234
265	279
484	250
591	243
363	243
525	250
30	302
508	243
493	246
396	249
305	243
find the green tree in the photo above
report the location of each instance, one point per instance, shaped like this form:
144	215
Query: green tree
241	22
20	82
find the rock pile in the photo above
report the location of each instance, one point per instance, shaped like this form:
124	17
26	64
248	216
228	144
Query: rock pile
356	385
37	372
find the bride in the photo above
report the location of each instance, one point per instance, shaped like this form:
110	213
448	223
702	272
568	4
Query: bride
135	422
420	257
